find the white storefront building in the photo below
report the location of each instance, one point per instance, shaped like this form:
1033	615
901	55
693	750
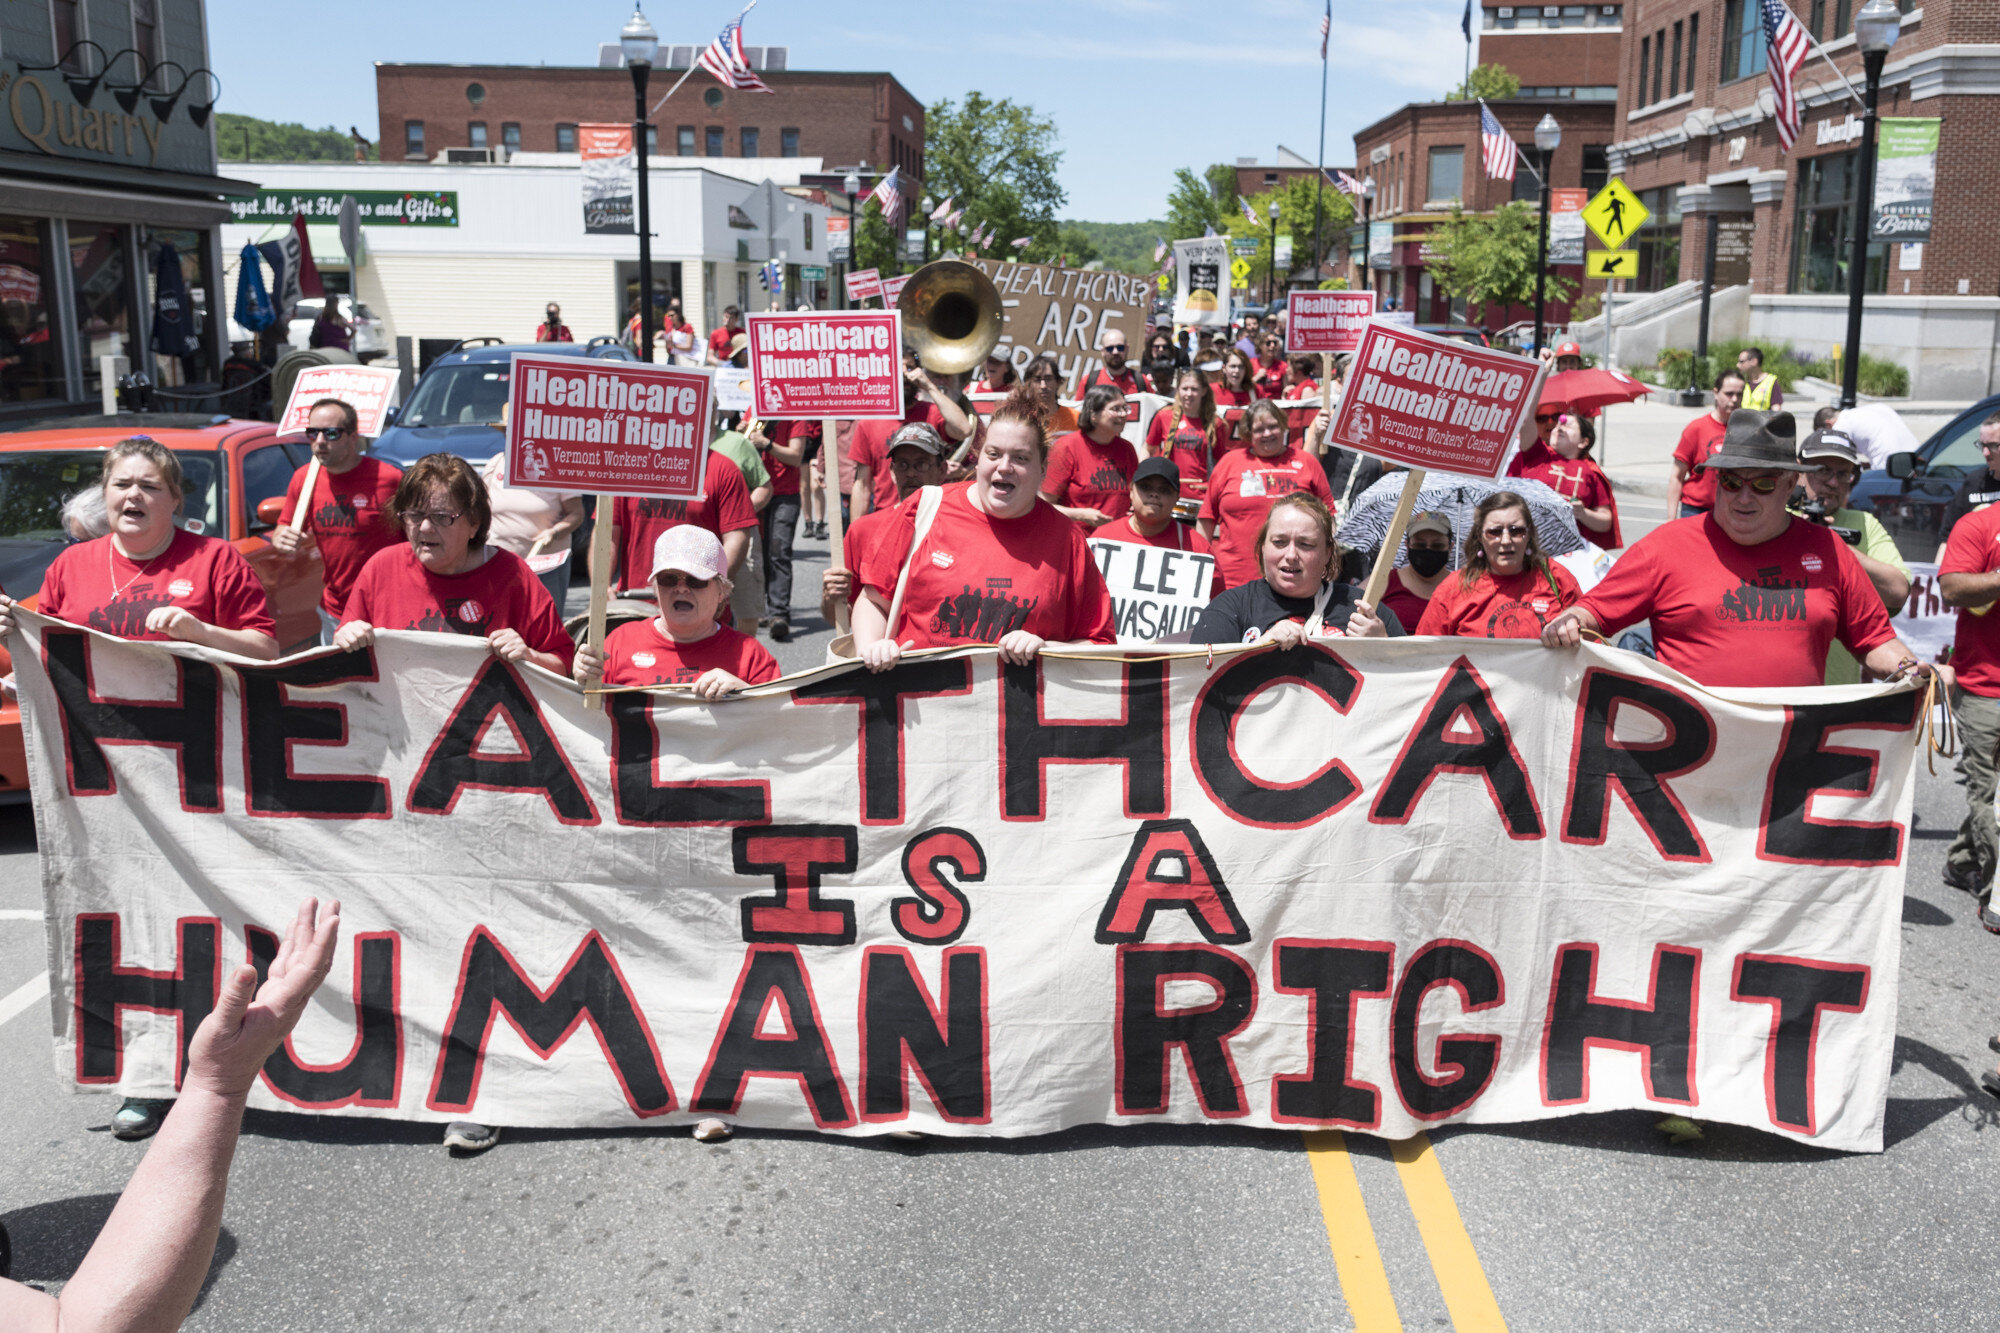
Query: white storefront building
482	248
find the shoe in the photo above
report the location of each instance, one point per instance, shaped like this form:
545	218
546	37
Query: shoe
1988	917
819	529
781	630
712	1131
139	1118
470	1136
1679	1129
1990	1081
1958	877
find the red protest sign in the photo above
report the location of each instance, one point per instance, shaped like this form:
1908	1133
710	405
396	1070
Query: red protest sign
893	288
612	427
1433	403
1326	322
844	364
863	283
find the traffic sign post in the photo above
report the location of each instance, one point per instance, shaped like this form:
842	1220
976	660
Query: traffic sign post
1611	264
1239	269
1615	214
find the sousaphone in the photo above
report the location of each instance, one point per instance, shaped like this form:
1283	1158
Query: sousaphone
952	316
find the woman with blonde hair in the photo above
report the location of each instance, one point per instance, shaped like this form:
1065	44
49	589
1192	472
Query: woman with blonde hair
1187	432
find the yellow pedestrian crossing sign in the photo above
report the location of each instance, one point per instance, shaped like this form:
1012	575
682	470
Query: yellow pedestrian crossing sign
1239	269
1614	214
1611	264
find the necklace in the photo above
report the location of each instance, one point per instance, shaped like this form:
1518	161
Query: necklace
140	568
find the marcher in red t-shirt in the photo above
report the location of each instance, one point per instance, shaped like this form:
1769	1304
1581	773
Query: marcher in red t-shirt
1564	465
347	519
1507	587
923	400
684	644
149	579
449	579
1115	372
999	565
1272	369
1694	490
1150	521
637	522
1243	485
1968	580
916	459
1188	431
719	339
1427	546
1747	595
1090	470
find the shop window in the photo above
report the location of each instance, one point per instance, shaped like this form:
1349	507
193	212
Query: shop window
684	141
191	252
565	138
1694	40
713	144
1658	242
475	134
102	280
1659	61
1596	167
788	143
1742	39
67	27
1822	242
1674	65
146	41
30	367
1447	174
510	135
748	135
1527	189
652	141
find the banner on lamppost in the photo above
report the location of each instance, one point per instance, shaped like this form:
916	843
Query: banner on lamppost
1905	179
1566	225
1201	270
609	178
1381	244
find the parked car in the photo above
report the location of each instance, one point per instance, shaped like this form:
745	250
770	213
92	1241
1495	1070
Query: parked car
371	339
231	467
455	406
1909	495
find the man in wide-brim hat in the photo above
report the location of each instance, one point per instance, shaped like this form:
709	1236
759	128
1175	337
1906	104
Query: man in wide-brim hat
1747	594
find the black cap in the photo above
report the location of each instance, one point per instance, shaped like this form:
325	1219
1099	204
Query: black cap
1163	468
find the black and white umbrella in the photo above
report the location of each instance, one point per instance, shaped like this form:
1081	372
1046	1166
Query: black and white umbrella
1367	520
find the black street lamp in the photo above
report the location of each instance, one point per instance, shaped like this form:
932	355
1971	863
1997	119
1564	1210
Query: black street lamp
1548	137
1271	273
640	44
927	204
1876	28
1367	231
851	185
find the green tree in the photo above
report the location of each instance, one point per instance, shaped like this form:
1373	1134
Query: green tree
1295	219
1075	246
248	139
1489	260
998	160
1489	81
1192	207
876	246
1124	246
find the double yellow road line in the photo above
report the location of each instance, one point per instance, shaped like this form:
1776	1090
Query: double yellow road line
1363	1280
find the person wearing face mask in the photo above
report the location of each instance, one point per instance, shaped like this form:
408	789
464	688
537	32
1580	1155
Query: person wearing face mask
684	644
1150	520
1297	595
1090	470
1823	499
1506	588
1427	541
552	329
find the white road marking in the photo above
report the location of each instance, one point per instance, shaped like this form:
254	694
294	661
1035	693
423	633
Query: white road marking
20	914
25	998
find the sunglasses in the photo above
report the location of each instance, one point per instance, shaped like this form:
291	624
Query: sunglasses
1114	347
672	579
1762	485
437	518
1512	530
1541	420
325	432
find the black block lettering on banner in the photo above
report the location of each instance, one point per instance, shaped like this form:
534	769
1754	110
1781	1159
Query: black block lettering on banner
1661	1029
273	723
795	856
1247	798
1331	974
189	724
1638	772
774	985
1148	1031
643	802
538	765
1798	991
880	738
1135	741
105	987
1806	767
1471	1058
939	911
1461	732
371	1074
1169	867
590	989
944	1043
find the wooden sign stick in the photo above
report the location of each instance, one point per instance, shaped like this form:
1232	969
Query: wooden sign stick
836	530
1385	559
1325	394
600	591
305	495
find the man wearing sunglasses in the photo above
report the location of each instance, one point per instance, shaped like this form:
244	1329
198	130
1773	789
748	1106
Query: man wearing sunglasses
346	519
1748	595
1694	490
1114	348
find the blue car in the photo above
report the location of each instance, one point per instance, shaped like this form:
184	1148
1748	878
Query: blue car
455	408
1909	496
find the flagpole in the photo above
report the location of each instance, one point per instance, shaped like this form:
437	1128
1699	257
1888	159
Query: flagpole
1319	187
693	65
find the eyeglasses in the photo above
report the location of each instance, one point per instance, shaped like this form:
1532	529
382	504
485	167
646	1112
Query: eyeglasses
675	579
325	432
1114	347
1732	483
1511	530
437	518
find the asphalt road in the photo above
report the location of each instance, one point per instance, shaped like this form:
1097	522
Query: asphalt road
1587	1223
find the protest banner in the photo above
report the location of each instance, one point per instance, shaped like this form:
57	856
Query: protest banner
893	288
1389	887
610	178
732	389
614	427
369	390
1061	312
1326	323
836	240
830	364
863	284
1154	591
1201	292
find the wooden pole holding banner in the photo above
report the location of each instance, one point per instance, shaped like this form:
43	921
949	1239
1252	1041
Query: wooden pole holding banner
1385	559
305	495
829	451
600	591
1325	395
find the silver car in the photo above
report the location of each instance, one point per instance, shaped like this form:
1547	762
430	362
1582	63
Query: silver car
370	340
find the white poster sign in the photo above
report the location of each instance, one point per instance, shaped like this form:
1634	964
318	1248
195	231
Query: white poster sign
1201	281
1154	591
369	390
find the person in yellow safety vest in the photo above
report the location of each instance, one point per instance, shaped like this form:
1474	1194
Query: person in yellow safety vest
1760	391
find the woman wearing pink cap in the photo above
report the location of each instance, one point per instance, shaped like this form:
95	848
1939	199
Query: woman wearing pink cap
684	644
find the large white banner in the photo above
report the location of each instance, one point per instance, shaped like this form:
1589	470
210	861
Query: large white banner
1394	885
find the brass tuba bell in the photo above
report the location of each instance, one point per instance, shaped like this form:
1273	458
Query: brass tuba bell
952	316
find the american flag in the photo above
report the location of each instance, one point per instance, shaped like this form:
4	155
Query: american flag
1248	211
725	60
1346	184
1496	146
888	192
1788	47
1325	29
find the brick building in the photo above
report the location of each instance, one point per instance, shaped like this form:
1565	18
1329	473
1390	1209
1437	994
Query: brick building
1697	142
1254	177
1564	52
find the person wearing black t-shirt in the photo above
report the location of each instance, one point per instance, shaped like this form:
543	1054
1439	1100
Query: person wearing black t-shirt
1297	553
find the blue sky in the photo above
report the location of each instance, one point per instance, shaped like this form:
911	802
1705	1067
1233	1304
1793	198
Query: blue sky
1136	87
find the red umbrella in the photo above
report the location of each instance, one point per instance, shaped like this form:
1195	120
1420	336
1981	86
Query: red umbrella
1588	390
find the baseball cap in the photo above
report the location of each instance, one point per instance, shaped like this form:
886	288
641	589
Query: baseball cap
1430	522
691	550
1830	444
1568	349
920	434
1162	468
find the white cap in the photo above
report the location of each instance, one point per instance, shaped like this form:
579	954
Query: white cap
691	550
